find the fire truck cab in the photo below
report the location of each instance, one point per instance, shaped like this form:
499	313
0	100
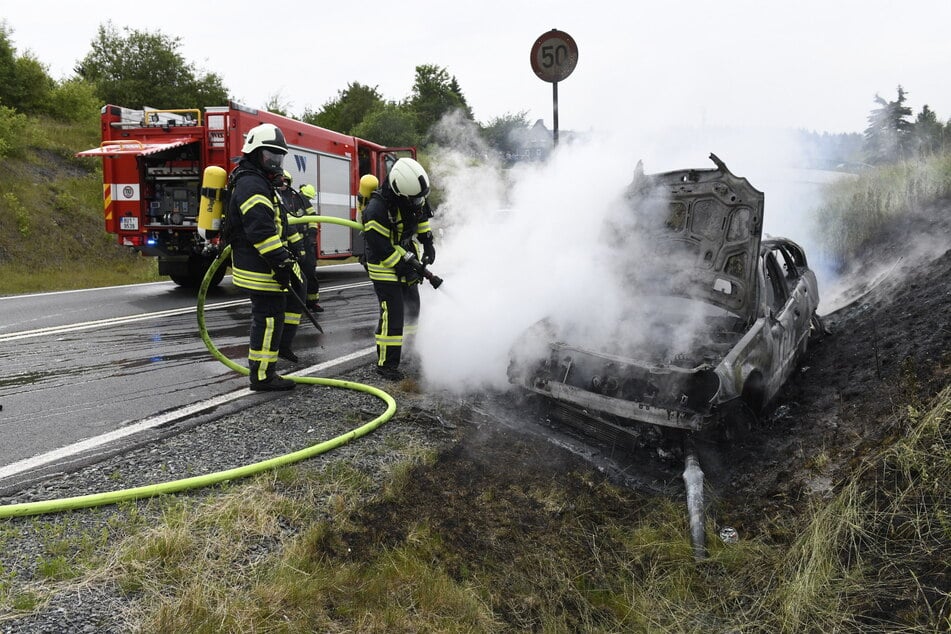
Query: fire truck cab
153	161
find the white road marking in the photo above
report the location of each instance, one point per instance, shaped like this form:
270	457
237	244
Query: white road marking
28	464
137	284
89	325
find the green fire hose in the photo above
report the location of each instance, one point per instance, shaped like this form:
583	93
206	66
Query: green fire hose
175	486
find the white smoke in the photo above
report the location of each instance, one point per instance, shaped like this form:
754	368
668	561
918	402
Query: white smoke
532	242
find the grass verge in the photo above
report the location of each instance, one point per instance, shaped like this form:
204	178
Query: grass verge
855	210
128	269
457	543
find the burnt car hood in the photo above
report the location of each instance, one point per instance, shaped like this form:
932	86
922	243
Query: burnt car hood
705	227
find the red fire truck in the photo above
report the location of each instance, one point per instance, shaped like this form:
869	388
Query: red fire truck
153	161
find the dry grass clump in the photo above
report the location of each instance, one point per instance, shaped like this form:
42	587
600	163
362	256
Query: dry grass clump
855	209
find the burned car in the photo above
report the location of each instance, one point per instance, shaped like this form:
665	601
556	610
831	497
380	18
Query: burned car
715	316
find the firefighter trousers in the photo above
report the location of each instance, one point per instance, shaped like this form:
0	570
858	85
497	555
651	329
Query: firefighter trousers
399	311
309	265
273	325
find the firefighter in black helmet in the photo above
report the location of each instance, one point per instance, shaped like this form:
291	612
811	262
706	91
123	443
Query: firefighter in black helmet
292	205
396	230
261	262
308	193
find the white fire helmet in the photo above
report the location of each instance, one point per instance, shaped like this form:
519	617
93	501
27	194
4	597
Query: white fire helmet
266	135
408	179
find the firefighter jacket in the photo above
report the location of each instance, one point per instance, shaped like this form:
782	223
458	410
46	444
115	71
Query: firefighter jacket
256	226
389	229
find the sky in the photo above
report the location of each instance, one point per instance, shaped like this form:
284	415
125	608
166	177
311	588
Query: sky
808	64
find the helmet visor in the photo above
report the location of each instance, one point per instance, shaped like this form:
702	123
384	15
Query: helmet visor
272	161
416	202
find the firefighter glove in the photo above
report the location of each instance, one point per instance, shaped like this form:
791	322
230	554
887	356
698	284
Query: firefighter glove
429	252
404	269
288	274
407	268
408	274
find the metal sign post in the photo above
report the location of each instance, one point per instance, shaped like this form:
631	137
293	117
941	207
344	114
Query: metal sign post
554	56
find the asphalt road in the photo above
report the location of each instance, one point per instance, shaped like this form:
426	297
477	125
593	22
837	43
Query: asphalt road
79	367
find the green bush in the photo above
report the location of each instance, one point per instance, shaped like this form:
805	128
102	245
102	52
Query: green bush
15	132
74	100
18	211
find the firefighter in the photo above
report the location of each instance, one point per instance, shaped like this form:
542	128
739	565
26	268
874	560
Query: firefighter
308	194
292	205
395	224
261	263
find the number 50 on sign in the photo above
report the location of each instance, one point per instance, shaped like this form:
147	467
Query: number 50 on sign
554	56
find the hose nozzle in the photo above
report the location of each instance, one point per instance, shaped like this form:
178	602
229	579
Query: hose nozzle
421	269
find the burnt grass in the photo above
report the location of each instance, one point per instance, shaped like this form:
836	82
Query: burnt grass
887	349
490	501
500	497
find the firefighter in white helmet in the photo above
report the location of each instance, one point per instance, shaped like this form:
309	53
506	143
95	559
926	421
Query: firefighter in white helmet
396	230
261	262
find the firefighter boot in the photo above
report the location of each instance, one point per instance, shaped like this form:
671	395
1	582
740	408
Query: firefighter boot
288	354
389	373
271	381
285	351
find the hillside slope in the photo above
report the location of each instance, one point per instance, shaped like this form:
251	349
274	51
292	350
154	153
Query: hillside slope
52	233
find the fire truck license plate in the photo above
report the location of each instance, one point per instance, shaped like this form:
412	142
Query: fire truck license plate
129	223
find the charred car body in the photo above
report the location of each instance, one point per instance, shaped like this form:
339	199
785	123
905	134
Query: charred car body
716	320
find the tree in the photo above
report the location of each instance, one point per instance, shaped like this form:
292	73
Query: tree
7	64
277	105
829	151
434	94
928	133
388	125
348	109
25	84
30	92
888	135
506	134
145	69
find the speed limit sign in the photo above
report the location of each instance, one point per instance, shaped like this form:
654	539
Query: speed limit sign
554	56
